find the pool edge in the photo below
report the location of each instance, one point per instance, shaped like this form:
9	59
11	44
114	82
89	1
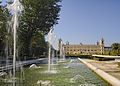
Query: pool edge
107	77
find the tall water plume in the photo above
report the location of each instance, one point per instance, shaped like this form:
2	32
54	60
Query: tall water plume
15	8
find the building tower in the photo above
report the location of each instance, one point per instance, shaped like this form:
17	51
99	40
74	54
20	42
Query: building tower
59	44
67	43
101	43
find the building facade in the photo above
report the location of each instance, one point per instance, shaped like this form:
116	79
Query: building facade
81	49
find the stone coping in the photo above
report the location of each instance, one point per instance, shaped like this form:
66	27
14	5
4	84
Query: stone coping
106	56
107	77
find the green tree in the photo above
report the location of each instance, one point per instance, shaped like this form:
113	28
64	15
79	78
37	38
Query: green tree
38	18
115	48
39	46
5	35
2	30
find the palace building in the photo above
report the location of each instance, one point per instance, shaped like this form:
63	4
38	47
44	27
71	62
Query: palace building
83	49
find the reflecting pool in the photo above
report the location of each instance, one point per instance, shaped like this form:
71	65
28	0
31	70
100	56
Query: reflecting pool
68	73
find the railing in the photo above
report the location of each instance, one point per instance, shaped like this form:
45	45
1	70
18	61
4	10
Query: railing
19	64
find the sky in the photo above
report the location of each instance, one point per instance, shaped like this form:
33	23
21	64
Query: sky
87	21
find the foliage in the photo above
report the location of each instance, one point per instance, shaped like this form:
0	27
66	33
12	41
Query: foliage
107	52
38	45
38	18
115	49
3	32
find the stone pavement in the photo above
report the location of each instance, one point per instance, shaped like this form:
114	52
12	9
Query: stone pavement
109	67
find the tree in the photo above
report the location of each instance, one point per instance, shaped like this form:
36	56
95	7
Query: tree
39	46
2	30
38	18
115	48
5	35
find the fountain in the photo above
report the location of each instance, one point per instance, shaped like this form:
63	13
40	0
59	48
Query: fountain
76	75
62	52
43	83
53	57
49	51
50	41
76	78
55	46
15	8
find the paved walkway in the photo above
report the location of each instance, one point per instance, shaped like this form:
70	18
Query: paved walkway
110	67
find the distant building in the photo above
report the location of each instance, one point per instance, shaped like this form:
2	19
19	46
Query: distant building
81	49
107	48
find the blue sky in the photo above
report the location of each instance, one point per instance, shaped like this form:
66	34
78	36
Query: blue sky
87	21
